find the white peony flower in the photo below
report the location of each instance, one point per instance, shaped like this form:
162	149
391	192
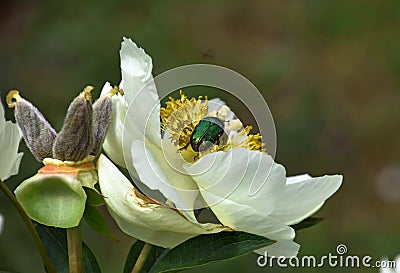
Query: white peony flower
10	137
242	185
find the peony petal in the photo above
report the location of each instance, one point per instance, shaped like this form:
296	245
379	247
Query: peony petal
215	104
143	116
1	220
136	67
302	198
2	119
10	137
242	217
297	178
140	99
233	175
113	142
286	248
385	269
157	174
397	261
141	217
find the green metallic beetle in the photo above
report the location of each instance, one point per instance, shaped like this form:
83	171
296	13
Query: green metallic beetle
206	133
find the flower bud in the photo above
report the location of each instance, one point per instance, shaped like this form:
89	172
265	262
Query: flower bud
102	111
75	140
38	134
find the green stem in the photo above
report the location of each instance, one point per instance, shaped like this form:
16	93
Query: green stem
142	258
75	249
46	260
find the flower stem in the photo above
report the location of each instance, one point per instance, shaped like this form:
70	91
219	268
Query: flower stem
45	258
142	258
75	249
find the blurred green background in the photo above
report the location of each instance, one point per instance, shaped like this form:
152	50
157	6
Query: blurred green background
329	70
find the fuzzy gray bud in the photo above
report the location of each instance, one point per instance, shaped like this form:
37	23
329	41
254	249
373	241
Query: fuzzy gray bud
38	134
102	111
75	140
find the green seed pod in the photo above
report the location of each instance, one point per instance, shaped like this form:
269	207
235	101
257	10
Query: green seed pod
75	140
38	134
54	196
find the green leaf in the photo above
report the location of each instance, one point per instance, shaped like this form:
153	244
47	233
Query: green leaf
308	222
55	242
204	249
94	198
90	264
95	219
134	254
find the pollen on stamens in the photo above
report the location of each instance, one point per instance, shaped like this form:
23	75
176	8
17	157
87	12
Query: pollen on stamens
252	142
180	117
244	139
115	90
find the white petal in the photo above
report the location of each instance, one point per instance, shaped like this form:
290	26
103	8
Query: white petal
215	104
385	269
10	137
140	105
240	175
286	248
113	142
141	217
1	221
2	119
136	67
156	173
397	260
302	198
242	217
143	113
297	178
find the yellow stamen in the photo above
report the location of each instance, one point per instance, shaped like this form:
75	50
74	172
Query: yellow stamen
181	116
116	89
250	142
12	98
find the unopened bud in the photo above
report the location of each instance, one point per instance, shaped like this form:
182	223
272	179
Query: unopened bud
38	134
75	140
102	111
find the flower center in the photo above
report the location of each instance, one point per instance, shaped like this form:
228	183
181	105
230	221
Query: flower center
181	116
192	127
